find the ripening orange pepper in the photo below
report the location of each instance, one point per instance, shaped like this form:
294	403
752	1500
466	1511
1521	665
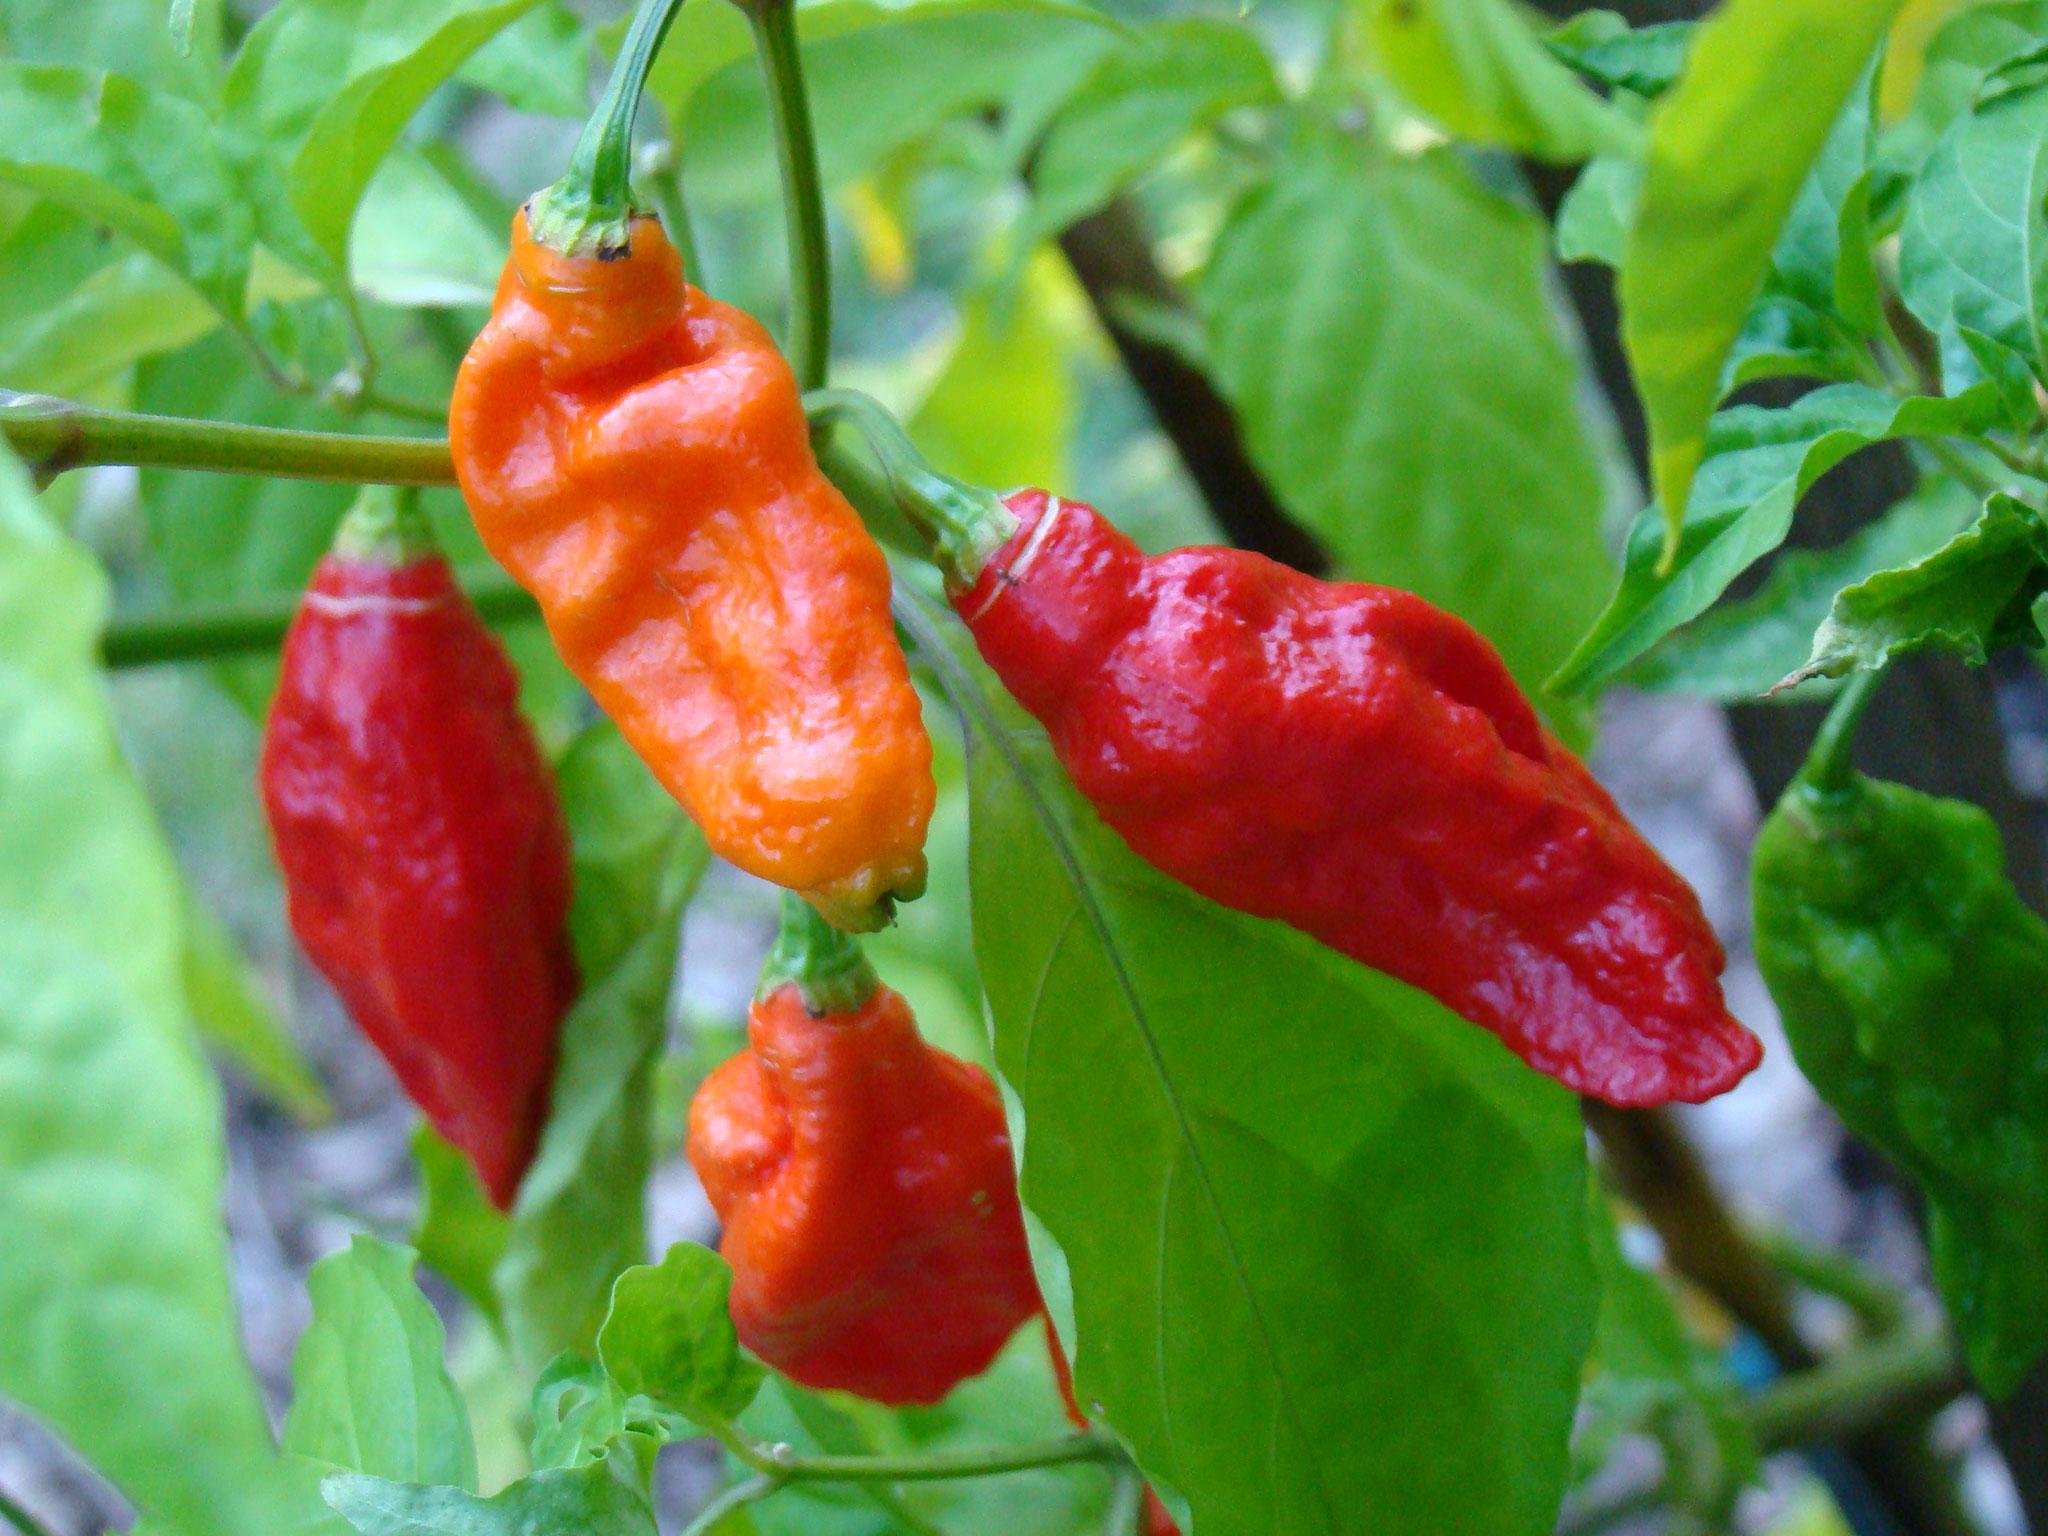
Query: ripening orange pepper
635	453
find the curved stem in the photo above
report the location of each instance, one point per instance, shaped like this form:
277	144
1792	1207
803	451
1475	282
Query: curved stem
54	435
803	196
1907	1371
257	625
931	1467
588	212
1828	765
752	1491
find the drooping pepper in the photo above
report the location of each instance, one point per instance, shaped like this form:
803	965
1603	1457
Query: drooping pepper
1350	760
865	1183
1913	985
426	864
635	453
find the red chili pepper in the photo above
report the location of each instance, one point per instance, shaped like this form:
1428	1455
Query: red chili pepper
865	1184
426	865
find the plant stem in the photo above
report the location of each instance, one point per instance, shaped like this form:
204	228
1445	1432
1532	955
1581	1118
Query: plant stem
803	197
661	176
752	1491
1828	765
54	435
257	625
20	1518
1899	1374
1877	1303
932	1467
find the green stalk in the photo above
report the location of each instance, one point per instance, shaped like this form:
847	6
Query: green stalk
661	175
931	1467
803	194
256	626
589	212
53	435
823	964
1828	766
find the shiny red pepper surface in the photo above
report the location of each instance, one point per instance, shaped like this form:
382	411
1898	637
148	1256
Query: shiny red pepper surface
1355	762
426	865
865	1182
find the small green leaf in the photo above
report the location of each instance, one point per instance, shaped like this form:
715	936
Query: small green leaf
1601	46
578	1412
592	1500
1729	147
370	1390
1738	650
1973	252
1913	985
321	90
460	1234
121	1333
1258	1158
1435	395
580	1216
1477	68
1593	219
142	163
1970	596
668	1336
235	1018
1759	463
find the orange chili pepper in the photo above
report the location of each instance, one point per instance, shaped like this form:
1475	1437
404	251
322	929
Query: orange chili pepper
635	453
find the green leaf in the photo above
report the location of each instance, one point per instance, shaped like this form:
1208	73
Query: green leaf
591	1500
579	1219
143	163
1738	650
420	242
579	1413
1477	68
121	1333
1759	463
1601	46
1972	595
669	1337
324	87
1138	104
1434	395
127	36
1969	47
539	64
1593	219
1912	981
1729	147
460	1234
1971	252
1258	1159
785	1414
370	1391
235	1018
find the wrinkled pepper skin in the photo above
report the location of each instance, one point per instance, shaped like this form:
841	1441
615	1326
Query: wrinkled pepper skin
869	1201
426	864
636	455
1352	761
1913	985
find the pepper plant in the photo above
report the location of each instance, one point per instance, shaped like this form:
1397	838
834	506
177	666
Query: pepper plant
1538	344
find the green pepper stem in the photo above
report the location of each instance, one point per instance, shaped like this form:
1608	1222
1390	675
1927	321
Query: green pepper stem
964	524
386	527
803	197
825	965
1828	764
589	212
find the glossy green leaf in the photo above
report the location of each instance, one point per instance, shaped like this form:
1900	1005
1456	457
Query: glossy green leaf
143	163
370	1391
1738	650
236	1019
1478	69
1971	251
460	1234
326	86
579	1219
1400	418
669	1337
1603	47
1912	981
1258	1158
1759	463
121	1332
1729	147
591	1500
1136	106
1971	595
